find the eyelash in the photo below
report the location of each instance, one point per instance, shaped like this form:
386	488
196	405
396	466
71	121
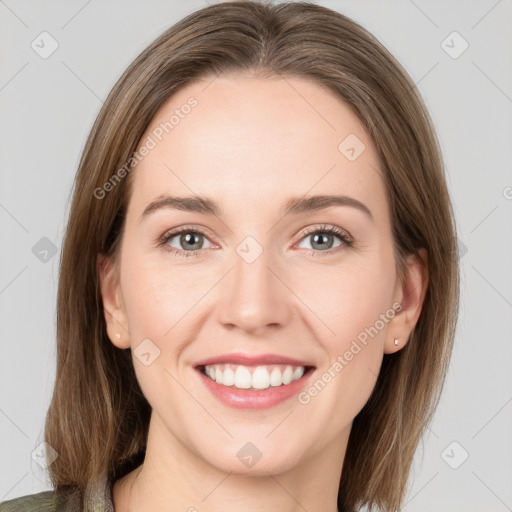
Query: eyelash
325	229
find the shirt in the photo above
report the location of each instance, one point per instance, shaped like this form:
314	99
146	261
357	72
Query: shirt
98	499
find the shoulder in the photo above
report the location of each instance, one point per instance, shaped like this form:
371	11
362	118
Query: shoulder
46	501
42	501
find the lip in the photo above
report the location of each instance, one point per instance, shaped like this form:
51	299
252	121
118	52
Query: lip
252	360
251	399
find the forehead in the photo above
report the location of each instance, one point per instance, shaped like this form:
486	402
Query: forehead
240	140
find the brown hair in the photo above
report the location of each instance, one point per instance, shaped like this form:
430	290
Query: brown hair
98	417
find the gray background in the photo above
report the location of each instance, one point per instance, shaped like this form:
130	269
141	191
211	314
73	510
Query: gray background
48	106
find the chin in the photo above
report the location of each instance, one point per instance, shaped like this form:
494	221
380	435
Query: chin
250	460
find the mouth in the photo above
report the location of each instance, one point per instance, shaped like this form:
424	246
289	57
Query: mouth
254	377
245	381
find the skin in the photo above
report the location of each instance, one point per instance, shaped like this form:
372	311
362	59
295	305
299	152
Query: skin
251	144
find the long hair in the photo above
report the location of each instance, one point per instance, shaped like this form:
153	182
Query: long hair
98	417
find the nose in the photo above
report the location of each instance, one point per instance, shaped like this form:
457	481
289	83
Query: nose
253	296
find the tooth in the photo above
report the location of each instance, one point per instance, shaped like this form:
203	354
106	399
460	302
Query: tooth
287	375
275	377
298	373
260	378
242	378
229	377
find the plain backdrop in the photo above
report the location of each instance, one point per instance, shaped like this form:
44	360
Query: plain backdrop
458	53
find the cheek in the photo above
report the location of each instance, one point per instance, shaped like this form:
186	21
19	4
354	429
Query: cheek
158	303
338	299
351	307
158	295
346	298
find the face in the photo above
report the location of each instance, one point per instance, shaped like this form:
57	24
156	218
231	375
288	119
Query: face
314	287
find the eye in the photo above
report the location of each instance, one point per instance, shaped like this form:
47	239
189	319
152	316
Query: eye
189	239
192	240
321	237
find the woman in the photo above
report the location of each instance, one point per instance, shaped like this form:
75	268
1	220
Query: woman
212	355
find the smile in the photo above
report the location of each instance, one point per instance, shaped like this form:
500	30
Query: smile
253	377
253	387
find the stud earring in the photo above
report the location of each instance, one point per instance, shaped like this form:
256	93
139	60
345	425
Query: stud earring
396	341
118	336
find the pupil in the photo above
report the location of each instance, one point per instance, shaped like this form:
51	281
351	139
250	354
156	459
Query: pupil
190	239
323	237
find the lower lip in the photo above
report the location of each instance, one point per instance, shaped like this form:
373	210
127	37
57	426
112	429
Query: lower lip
250	399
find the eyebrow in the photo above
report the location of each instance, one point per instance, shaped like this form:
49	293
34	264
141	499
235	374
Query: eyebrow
292	206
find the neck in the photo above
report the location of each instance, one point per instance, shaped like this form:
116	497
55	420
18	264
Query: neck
172	477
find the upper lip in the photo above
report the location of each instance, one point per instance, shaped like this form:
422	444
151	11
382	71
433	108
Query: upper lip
252	360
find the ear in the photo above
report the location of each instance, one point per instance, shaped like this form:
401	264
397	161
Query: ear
113	307
411	294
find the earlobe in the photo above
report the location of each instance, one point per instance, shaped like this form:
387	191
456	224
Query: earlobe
394	344
115	316
412	295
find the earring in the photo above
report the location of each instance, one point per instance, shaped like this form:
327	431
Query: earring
118	336
396	341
